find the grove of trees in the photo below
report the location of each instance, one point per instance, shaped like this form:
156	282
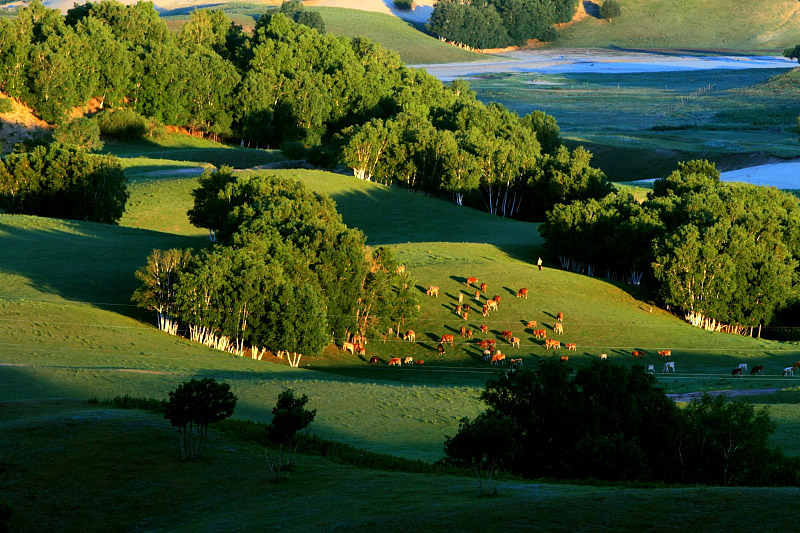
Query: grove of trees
286	274
611	422
726	255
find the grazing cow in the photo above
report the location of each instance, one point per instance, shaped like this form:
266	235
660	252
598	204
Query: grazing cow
496	298
669	367
374	360
468	334
558	328
484	344
466	316
758	369
650	369
603	356
523	293
564	358
487	354
796	365
552	343
408	360
395	361
485	310
492	344
788	371
637	354
531	324
483	287
506	335
459	307
447	338
515	342
572	346
491	305
471	280
478	295
410	336
433	290
401	269
463	331
348	347
467	308
560	317
498	359
516	362
360	349
737	372
460	297
540	333
440	348
665	354
420	362
484	329
742	367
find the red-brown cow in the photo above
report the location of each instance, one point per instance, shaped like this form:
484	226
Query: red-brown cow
758	369
665	354
558	328
506	335
484	344
420	362
552	343
515	342
523	293
374	360
471	280
737	372
463	331
395	361
498	359
447	338
637	354
540	333
433	290
469	334
564	358
484	329
440	348
485	310
572	346
483	287
560	317
531	324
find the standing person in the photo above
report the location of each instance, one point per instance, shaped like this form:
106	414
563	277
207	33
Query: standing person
539	263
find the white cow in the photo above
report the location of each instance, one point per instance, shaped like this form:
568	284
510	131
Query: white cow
788	371
650	369
603	356
743	366
669	367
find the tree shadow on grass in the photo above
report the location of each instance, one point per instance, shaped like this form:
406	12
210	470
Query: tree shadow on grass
592	9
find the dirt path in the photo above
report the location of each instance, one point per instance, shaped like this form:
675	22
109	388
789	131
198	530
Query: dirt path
689	396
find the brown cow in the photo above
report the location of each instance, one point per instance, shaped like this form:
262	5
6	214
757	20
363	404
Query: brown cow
637	354
469	334
531	324
408	360
433	291
560	317
467	308
395	361
471	280
523	293
360	349
440	348
483	287
665	354
447	338
485	310
420	362
459	308
498	359
515	342
516	362
758	369
492	344
478	295
374	360
401	269
737	372
552	343
348	347
796	365
491	305
496	298
484	329
572	346
506	335
540	333
463	331
564	358
484	344
558	328
466	316
410	336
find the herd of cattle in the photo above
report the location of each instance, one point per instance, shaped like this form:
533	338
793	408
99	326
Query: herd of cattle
493	355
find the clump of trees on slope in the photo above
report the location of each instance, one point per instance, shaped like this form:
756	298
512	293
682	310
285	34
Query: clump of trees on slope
286	274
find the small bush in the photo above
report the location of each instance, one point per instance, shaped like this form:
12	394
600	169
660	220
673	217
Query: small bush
610	9
123	124
83	132
5	105
404	5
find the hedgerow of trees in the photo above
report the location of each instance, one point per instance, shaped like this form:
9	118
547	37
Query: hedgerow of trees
499	23
726	255
285	275
612	422
329	99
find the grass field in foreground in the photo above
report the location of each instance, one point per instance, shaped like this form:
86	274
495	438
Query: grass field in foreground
639	125
765	25
71	466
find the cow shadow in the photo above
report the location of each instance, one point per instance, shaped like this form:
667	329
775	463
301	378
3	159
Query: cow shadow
422	289
551	315
510	291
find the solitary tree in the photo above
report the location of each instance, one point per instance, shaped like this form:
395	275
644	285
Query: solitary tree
193	406
793	53
289	416
610	10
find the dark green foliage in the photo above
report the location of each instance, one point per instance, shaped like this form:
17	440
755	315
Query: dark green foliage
122	124
289	417
610	9
611	422
193	406
82	132
793	53
5	514
61	182
5	105
403	5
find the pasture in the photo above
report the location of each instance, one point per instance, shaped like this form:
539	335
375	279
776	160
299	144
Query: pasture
639	125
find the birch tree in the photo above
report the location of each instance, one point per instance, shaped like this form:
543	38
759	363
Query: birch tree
159	279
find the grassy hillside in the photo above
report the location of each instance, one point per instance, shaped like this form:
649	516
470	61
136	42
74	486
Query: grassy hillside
756	25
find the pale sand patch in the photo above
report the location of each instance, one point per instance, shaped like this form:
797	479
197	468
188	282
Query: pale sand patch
139	371
689	396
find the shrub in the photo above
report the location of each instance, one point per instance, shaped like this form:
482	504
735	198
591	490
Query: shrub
610	9
83	132
404	5
5	105
122	124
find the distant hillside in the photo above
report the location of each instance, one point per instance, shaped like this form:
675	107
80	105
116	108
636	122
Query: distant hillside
754	25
